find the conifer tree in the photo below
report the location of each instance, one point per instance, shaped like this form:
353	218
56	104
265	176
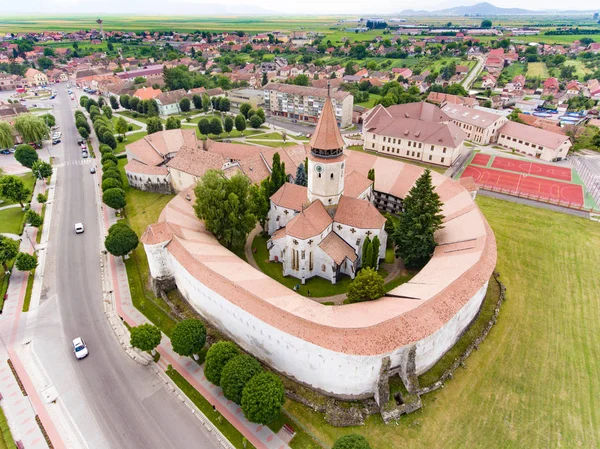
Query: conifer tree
417	224
365	253
301	179
375	244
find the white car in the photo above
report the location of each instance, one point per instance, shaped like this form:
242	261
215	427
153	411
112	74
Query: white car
79	348
78	228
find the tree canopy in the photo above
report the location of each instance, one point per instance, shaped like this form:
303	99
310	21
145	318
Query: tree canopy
9	249
188	337
419	221
6	135
31	128
114	198
367	285
26	262
226	207
263	398
145	337
26	155
216	358
13	189
41	169
351	441
236	374
153	125
121	240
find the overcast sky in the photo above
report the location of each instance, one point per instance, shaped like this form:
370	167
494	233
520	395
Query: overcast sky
195	7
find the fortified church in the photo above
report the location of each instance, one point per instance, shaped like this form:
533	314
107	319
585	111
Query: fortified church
320	230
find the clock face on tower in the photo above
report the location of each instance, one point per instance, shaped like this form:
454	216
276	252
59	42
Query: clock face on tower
319	168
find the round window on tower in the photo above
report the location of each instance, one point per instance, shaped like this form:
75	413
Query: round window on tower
319	168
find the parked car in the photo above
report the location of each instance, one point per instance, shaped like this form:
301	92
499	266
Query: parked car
79	228
80	142
5	152
84	154
93	170
79	348
55	141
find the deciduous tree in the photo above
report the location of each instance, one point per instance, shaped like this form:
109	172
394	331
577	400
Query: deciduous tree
173	123
236	374
9	249
26	262
184	104
216	358
188	338
33	218
240	123
121	126
13	189
114	198
153	125
263	398
197	100
255	121
245	108
107	111
31	128
113	102
145	337
6	135
367	285
225	207
216	127
228	124
41	169
26	155
204	126
121	240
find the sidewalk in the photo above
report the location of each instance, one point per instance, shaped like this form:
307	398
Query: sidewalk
260	436
21	410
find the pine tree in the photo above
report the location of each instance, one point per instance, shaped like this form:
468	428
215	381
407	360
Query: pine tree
375	244
365	253
278	176
301	176
368	262
417	224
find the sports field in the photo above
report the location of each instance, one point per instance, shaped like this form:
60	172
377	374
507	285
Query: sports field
535	69
522	177
534	382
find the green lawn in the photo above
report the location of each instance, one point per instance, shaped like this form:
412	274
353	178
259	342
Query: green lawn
535	69
143	208
11	220
267	136
6	439
580	69
28	182
319	287
369	104
129	139
132	115
234	133
275	144
114	119
534	382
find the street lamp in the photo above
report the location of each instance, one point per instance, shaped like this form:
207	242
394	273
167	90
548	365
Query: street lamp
29	238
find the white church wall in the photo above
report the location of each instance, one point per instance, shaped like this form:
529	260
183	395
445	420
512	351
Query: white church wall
284	218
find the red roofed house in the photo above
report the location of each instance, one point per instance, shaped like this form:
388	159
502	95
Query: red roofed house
551	86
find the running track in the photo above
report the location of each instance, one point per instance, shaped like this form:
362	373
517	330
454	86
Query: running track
528	185
530	168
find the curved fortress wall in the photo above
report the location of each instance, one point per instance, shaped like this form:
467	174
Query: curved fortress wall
336	373
336	349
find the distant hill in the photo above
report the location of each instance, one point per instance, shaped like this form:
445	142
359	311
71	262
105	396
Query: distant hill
486	9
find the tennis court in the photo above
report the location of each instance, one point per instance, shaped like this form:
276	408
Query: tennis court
531	168
523	184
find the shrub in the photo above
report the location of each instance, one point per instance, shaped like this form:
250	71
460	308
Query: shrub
351	441
216	358
262	398
119	138
103	148
236	374
121	240
111	174
108	165
108	156
114	198
145	337
367	285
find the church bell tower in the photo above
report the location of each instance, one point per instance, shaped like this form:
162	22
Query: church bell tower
326	161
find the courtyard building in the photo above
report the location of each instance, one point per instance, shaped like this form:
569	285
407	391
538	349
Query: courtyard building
479	126
534	142
414	131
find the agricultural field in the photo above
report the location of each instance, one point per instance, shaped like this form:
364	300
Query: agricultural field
537	69
580	69
534	381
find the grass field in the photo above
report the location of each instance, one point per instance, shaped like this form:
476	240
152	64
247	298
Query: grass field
6	439
10	220
369	104
130	139
535	69
580	69
534	382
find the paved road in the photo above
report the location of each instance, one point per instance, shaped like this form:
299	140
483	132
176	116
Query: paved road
472	76
115	402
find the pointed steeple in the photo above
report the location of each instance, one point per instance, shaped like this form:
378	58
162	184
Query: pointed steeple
327	140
